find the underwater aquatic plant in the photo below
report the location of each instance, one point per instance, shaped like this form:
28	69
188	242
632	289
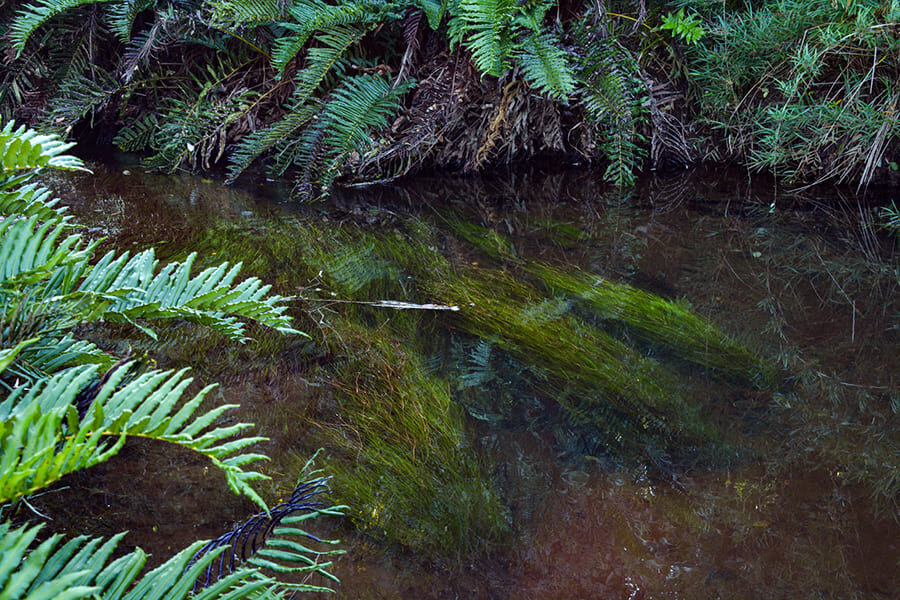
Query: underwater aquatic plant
663	323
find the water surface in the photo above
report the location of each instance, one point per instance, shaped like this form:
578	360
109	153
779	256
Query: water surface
805	507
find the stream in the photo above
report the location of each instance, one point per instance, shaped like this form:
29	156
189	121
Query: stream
795	494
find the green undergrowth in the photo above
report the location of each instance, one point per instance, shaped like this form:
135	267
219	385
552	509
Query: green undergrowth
802	88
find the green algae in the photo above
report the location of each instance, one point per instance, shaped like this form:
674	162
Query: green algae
650	318
396	440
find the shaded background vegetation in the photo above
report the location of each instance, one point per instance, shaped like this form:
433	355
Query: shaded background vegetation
369	90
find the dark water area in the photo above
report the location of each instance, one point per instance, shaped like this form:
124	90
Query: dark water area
806	506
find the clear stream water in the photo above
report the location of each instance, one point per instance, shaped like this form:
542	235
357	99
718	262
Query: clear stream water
809	511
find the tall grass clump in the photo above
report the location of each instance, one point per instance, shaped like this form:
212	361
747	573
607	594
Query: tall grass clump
802	88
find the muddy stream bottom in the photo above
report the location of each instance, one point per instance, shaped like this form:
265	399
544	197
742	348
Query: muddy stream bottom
805	505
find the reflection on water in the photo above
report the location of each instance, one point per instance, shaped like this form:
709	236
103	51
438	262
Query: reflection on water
806	507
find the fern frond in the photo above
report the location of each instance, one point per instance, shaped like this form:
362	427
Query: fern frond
612	97
31	200
33	449
320	61
79	95
546	66
193	128
136	291
314	15
260	540
138	134
8	355
50	571
30	251
81	568
143	46
42	437
360	104
247	12
252	146
121	16
47	283
30	17
434	12
52	353
485	25
23	152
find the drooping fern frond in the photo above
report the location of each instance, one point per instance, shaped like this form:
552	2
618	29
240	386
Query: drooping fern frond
144	45
208	298
320	61
310	16
78	96
137	135
42	437
283	133
193	127
486	28
122	14
24	151
30	17
358	105
48	285
611	97
545	66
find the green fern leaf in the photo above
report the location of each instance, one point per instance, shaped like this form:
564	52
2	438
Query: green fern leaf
79	95
121	16
42	438
81	568
320	61
31	200
247	12
314	15
138	135
360	104
546	67
434	11
24	152
486	28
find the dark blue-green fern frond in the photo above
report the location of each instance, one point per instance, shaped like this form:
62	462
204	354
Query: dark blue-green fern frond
546	66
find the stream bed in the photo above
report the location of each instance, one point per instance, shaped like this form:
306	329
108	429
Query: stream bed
481	460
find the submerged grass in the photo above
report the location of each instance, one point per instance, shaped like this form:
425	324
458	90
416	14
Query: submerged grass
662	323
395	432
631	400
400	455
